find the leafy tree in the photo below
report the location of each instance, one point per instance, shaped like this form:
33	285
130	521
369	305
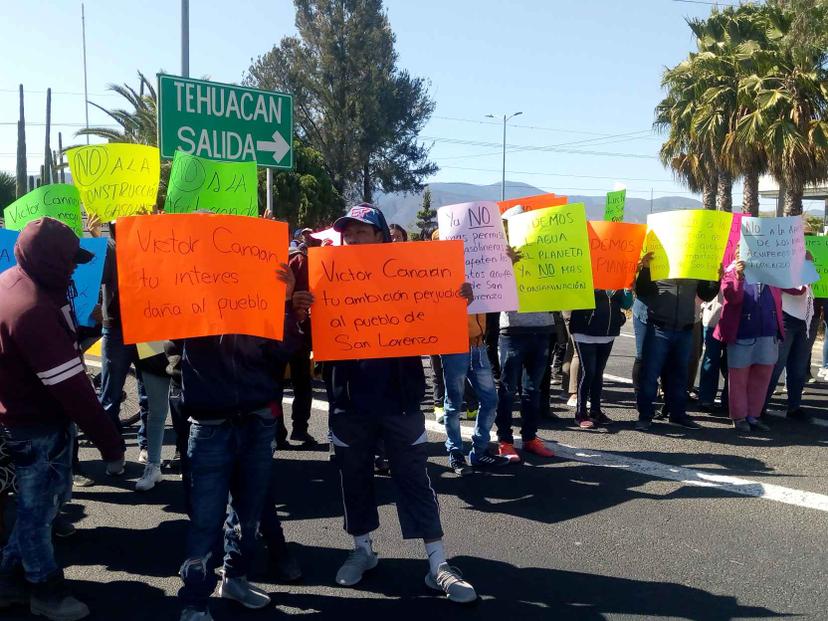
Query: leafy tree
426	217
304	196
352	102
8	190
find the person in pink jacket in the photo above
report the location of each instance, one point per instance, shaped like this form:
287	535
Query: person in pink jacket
751	327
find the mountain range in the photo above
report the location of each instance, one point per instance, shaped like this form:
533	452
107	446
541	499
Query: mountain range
403	208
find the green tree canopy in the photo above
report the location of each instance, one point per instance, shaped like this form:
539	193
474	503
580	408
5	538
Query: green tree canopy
352	102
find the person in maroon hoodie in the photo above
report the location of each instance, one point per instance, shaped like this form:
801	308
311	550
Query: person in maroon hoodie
43	390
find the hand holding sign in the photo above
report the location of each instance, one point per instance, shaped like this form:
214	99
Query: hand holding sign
687	243
773	250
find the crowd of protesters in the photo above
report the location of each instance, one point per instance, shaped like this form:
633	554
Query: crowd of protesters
223	396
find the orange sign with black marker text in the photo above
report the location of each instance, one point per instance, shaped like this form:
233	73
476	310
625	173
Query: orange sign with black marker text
530	203
388	300
615	248
188	275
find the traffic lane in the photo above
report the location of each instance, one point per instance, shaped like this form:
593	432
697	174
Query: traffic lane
542	539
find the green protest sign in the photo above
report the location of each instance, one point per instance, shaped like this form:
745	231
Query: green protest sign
225	122
220	187
60	201
614	210
818	247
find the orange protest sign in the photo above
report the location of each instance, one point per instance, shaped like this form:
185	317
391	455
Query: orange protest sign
530	203
615	248
187	275
387	300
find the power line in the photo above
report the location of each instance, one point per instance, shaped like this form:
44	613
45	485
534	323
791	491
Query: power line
26	91
525	172
549	149
545	129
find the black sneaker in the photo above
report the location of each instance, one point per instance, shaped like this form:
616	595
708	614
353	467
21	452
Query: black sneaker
599	418
62	527
284	566
758	424
685	421
457	462
799	415
643	425
488	460
303	437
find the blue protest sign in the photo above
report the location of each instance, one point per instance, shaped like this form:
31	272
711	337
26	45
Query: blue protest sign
7	239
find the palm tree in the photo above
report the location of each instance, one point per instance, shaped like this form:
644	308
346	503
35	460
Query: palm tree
8	190
139	125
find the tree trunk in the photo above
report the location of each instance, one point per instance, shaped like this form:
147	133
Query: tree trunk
780	198
709	192
750	197
724	198
367	193
22	185
793	199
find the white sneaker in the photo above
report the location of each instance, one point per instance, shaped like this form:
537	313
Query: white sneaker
439	414
143	456
573	401
152	475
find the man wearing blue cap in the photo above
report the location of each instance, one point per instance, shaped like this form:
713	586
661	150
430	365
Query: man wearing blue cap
380	399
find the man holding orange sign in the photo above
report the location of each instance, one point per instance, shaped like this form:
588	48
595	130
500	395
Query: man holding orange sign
376	383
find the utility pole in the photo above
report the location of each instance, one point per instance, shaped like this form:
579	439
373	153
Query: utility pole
503	179
85	91
185	38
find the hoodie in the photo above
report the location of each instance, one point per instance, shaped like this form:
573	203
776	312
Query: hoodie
43	379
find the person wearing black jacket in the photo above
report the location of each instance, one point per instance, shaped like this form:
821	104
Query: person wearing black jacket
671	313
375	399
230	393
593	333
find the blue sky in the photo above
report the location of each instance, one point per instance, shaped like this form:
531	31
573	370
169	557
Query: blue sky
584	74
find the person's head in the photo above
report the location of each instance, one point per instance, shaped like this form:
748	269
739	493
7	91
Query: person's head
363	224
49	251
302	235
398	233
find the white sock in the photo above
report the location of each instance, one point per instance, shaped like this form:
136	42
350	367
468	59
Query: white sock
364	542
436	555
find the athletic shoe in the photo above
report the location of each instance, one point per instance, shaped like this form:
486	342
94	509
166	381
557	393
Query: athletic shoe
457	462
152	475
143	456
13	589
599	418
450	581
572	401
81	480
241	591
799	415
439	414
303	437
507	450
488	460
685	421
62	527
191	614
643	425
536	446
584	423
472	414
284	566
811	380
755	423
52	599
358	562
741	426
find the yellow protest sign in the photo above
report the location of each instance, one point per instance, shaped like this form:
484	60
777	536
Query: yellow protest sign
116	179
555	272
688	243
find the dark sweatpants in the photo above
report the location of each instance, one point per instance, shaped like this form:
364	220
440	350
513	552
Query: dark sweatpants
354	437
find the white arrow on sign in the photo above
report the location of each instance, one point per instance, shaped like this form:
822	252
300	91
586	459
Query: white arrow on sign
279	146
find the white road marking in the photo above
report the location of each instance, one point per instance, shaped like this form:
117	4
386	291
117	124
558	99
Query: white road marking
686	476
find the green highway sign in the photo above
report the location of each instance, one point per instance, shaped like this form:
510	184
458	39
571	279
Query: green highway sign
224	122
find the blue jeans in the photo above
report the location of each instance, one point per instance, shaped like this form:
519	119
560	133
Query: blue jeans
640	331
714	362
666	351
793	359
519	352
230	461
116	358
825	345
42	459
158	396
456	368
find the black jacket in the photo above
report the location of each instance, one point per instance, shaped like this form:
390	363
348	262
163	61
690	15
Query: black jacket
376	387
671	304
233	373
605	319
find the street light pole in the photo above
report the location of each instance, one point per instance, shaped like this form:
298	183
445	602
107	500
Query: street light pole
503	180
185	38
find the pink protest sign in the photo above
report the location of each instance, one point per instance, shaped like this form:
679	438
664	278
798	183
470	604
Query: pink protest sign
733	240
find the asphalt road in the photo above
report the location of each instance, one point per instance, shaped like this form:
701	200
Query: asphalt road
673	524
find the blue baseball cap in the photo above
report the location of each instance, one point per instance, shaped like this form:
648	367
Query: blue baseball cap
366	214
